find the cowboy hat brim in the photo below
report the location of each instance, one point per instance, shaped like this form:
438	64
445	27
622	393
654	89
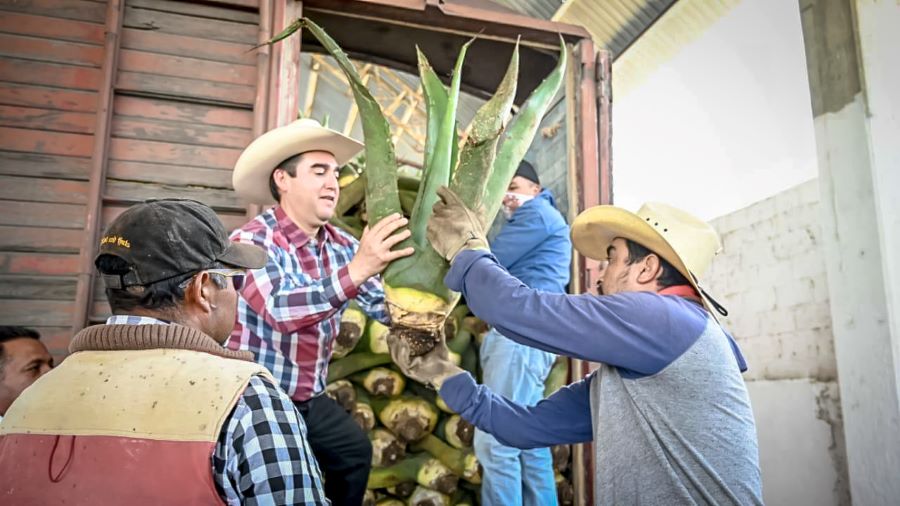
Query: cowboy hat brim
594	230
253	168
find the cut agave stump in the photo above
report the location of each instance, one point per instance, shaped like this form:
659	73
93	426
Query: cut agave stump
387	450
403	490
464	430
353	323
343	393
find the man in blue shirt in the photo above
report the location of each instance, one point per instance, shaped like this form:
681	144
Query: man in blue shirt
667	411
533	246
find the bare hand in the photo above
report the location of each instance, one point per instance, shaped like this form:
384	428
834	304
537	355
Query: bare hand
374	253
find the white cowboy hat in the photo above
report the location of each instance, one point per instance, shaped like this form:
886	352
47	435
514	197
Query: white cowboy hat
252	170
683	240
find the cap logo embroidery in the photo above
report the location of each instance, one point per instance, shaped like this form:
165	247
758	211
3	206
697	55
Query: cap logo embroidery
115	240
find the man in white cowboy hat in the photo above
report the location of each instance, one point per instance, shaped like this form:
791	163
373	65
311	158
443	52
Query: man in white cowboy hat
289	311
667	411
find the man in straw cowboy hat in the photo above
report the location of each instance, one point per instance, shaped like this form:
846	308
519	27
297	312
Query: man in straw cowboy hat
289	311
667	411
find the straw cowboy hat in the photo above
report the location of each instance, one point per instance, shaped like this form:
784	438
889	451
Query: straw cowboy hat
686	242
252	170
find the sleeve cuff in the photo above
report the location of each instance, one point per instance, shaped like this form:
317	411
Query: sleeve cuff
348	290
457	390
461	264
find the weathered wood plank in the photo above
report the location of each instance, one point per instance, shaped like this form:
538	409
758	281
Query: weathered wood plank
49	74
78	10
54	240
41	214
43	190
165	131
59	51
174	175
132	192
49	166
254	4
52	28
198	10
50	143
46	264
193	47
46	119
180	87
37	287
178	24
231	220
173	154
29	313
48	98
191	68
184	112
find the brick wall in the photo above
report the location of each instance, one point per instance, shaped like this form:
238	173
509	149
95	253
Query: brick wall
771	277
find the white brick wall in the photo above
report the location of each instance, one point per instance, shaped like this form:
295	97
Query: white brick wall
771	277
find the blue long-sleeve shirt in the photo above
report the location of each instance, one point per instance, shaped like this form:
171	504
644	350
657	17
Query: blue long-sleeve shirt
639	333
534	245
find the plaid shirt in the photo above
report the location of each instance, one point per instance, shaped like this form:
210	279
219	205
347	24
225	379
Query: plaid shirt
261	455
290	310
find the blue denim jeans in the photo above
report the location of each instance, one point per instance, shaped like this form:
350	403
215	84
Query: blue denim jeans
511	476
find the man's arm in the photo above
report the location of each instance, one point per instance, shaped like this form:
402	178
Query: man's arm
288	301
370	296
636	331
262	456
519	235
562	418
371	300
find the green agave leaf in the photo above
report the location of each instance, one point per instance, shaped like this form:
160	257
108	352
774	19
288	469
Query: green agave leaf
520	134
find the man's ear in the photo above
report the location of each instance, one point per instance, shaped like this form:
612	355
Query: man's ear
198	294
280	176
649	269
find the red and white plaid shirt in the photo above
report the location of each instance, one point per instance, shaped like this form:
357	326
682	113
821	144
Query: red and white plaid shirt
290	310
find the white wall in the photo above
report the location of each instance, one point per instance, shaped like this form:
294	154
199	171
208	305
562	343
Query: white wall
725	123
771	276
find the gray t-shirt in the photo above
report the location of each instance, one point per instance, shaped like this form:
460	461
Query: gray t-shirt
654	441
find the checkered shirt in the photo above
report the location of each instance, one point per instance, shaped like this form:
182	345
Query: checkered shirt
261	455
290	311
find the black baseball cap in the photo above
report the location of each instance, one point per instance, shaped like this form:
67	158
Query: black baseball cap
527	171
165	238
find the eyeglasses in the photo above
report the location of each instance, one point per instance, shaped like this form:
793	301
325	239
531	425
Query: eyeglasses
237	276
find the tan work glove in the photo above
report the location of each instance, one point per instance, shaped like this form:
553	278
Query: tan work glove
454	227
430	369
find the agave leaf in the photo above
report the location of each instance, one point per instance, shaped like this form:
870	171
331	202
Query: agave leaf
287	32
435	94
520	134
477	156
438	165
382	198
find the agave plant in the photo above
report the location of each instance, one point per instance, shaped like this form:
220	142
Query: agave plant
478	171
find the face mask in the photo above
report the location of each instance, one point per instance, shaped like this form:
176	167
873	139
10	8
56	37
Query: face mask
507	212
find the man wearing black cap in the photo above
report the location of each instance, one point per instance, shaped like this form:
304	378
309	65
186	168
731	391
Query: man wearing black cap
533	246
150	407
